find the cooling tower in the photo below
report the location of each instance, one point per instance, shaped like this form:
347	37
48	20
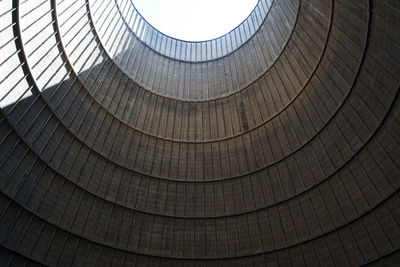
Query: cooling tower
274	144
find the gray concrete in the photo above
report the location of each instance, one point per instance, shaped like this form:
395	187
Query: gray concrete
283	152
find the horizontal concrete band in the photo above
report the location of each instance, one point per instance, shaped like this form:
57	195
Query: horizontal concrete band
280	149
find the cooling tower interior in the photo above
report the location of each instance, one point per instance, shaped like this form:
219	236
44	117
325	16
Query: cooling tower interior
276	144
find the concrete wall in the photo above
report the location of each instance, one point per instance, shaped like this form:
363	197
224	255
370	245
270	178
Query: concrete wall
283	152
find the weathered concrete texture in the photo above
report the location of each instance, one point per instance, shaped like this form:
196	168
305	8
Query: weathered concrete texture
283	152
211	79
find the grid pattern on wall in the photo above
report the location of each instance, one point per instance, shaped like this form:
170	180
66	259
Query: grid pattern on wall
175	75
189	51
117	149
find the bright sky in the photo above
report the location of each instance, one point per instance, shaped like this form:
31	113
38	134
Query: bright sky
195	20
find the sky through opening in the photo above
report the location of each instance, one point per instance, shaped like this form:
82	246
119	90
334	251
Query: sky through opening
195	20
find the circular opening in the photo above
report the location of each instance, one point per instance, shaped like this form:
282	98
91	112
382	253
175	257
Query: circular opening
194	20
